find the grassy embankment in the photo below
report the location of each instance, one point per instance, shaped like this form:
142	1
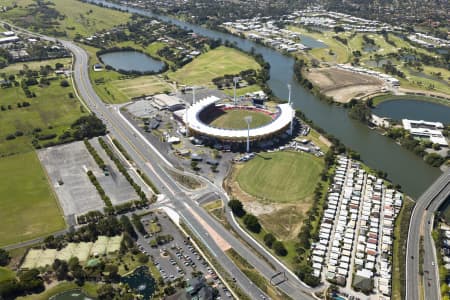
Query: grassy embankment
399	254
28	207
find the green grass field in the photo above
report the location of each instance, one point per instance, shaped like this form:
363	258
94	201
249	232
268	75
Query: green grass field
340	52
215	63
28	207
6	274
234	119
80	18
52	110
281	177
35	65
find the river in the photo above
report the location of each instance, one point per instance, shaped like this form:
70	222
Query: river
377	151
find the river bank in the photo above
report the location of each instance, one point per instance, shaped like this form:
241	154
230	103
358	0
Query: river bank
377	151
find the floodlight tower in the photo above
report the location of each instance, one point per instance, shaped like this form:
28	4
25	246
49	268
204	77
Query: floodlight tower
248	120
235	81
289	90
291	130
193	95
187	120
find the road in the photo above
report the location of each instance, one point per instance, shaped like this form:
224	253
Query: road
152	163
421	223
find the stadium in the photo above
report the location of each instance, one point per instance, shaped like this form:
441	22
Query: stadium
264	124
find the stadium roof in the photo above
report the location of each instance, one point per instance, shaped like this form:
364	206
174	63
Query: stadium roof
191	118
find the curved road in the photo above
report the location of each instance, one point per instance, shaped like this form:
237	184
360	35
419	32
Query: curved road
421	224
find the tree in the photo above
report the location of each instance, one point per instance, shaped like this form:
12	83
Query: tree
237	208
4	257
105	292
252	223
269	239
88	127
64	83
142	258
279	248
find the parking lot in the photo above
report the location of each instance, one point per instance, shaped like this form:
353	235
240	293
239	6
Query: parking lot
177	258
115	185
66	166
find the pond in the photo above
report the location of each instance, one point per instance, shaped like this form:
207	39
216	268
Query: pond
71	295
415	109
141	282
132	61
311	42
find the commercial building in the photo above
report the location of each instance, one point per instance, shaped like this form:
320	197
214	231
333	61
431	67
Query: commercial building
424	129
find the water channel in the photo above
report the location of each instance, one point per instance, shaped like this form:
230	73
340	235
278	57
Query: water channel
132	61
379	152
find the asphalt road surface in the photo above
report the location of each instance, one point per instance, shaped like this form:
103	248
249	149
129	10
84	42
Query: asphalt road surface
421	224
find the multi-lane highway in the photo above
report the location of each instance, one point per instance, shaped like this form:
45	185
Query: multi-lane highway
153	163
421	224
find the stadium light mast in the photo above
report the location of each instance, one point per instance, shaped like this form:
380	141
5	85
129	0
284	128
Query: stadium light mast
248	120
187	120
193	95
291	130
289	97
235	81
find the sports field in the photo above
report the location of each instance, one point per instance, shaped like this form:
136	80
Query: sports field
28	208
215	63
83	251
234	119
281	177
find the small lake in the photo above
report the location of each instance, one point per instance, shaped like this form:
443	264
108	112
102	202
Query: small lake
398	109
141	282
71	295
311	42
132	61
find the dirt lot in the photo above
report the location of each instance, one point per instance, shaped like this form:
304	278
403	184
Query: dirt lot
343	85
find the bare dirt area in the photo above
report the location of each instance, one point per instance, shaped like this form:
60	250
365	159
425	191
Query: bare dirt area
343	85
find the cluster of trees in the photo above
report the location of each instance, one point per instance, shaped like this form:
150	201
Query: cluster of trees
94	154
359	111
227	80
389	68
100	190
28	282
416	146
88	127
122	170
252	224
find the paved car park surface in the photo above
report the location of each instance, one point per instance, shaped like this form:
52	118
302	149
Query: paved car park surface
177	258
66	165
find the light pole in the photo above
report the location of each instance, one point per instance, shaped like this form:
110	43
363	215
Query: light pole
289	89
235	81
187	121
291	131
193	95
248	120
